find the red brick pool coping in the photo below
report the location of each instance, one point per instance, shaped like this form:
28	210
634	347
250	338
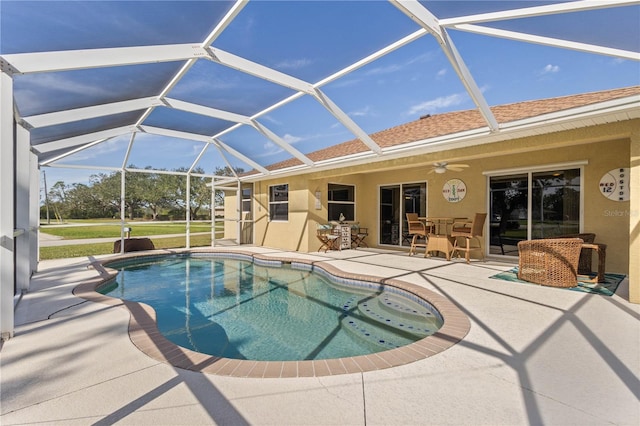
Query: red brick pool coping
144	333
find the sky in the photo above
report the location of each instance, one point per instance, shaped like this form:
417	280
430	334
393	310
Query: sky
309	40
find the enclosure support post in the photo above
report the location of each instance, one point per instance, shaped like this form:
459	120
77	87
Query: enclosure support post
7	156
188	212
22	231
123	188
213	212
34	212
239	211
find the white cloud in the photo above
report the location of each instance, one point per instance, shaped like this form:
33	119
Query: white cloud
441	73
550	69
290	139
362	112
436	104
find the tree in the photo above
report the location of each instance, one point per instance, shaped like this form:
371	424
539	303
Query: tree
225	171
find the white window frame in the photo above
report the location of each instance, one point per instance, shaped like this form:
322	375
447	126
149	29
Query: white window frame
342	202
273	203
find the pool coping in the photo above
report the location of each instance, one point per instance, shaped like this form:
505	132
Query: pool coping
145	335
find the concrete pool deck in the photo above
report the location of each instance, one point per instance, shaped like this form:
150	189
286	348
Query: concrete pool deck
533	355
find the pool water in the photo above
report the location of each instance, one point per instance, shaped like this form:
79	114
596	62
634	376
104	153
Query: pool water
235	308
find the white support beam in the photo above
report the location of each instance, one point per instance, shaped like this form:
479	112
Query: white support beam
7	211
23	186
281	143
34	212
207	111
346	121
198	158
428	21
82	139
260	71
67	116
67	60
549	41
225	21
228	18
224	147
239	213
529	12
127	154
123	212
175	133
188	212
71	152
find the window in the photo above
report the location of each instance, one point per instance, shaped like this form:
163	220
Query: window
279	202
341	200
246	200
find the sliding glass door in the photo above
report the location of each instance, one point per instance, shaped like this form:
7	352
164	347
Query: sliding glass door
395	202
531	205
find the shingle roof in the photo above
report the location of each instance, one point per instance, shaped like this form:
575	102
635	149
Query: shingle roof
460	121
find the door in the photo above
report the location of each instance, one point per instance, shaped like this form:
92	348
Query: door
246	216
530	205
395	202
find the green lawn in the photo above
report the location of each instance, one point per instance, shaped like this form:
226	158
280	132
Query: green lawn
83	250
113	231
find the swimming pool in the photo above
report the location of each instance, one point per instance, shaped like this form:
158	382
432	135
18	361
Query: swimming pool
230	306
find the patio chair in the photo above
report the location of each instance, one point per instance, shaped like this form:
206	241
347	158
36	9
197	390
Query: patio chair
358	234
550	261
328	240
584	266
469	231
417	229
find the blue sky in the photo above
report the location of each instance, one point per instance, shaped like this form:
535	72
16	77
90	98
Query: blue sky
308	40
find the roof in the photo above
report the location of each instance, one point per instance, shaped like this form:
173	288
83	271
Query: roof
433	126
260	85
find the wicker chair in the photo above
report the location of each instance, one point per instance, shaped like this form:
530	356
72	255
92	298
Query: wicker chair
584	266
550	261
469	231
417	229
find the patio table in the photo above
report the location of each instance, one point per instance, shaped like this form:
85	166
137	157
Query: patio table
440	240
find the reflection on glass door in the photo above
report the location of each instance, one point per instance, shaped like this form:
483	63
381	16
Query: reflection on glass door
555	203
389	214
533	205
395	202
508	213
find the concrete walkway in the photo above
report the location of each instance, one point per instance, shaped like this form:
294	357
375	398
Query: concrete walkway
534	355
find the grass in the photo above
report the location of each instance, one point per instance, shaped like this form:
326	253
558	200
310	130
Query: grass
113	231
83	250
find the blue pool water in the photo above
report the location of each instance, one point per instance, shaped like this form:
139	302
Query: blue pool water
235	308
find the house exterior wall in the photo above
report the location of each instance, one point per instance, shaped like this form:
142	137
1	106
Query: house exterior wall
602	148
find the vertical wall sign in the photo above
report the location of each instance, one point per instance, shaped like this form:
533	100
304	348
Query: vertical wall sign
615	184
454	190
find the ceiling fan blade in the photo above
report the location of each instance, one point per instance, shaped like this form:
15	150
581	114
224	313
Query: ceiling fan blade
457	166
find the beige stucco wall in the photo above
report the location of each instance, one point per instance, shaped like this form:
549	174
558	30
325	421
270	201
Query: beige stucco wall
603	148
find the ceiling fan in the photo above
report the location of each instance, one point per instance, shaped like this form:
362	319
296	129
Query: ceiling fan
444	166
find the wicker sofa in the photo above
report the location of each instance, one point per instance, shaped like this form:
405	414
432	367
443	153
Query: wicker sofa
550	261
